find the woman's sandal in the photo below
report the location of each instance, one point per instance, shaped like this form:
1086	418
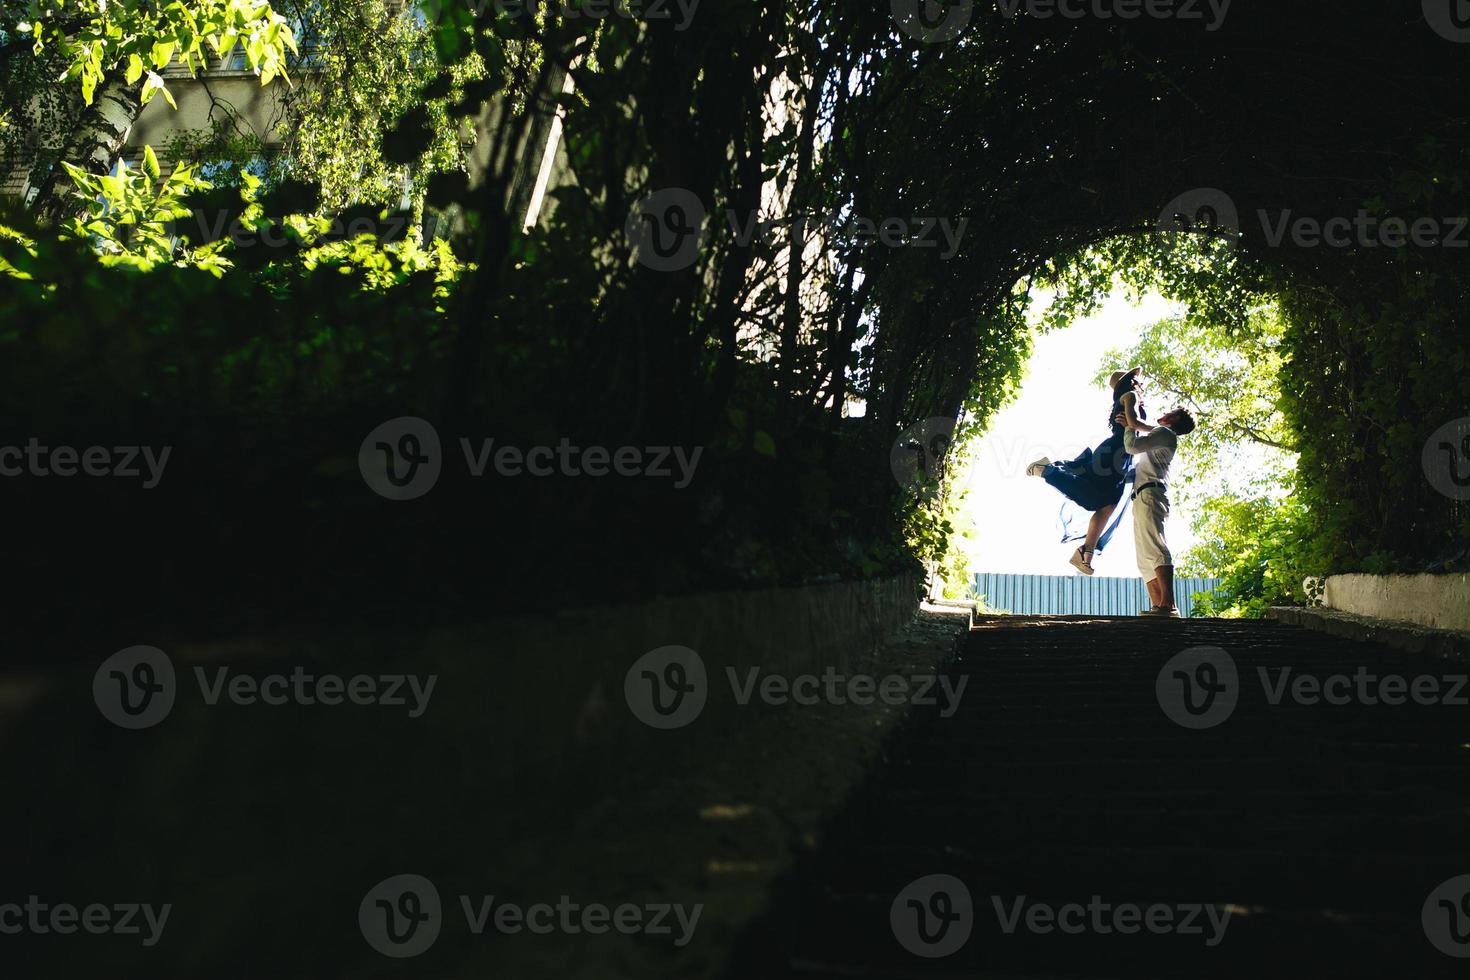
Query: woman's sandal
1082	560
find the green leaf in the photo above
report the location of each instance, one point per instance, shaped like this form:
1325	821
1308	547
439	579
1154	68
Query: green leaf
150	162
154	83
163	52
764	444
135	69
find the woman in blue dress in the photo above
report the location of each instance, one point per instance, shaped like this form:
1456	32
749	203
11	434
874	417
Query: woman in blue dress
1096	479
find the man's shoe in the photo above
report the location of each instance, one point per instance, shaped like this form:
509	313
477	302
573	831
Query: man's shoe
1080	562
1161	612
1039	467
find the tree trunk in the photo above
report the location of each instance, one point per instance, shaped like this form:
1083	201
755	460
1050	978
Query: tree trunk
790	376
95	143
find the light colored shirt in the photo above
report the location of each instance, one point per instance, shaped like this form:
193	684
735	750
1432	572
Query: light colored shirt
1152	453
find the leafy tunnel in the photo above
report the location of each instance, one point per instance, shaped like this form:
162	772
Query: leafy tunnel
1000	147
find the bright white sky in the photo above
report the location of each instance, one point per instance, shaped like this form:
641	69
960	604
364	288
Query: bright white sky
1059	411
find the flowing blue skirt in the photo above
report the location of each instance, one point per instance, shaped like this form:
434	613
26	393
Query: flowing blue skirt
1094	480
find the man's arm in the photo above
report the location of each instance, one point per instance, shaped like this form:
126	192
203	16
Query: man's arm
1157	438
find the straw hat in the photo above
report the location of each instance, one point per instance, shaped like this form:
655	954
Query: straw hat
1119	377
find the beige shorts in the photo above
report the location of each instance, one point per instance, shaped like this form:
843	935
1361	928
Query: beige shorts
1150	511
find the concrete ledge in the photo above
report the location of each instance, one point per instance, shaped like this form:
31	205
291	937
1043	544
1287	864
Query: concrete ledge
542	696
1409	637
1435	601
957	609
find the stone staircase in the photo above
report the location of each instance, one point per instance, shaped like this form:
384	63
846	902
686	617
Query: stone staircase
1329	833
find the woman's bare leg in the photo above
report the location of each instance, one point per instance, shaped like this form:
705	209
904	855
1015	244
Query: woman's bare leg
1095	528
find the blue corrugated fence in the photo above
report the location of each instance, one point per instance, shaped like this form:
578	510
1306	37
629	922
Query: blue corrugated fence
1078	595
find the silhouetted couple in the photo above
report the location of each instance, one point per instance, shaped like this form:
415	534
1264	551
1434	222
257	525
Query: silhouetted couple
1137	453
